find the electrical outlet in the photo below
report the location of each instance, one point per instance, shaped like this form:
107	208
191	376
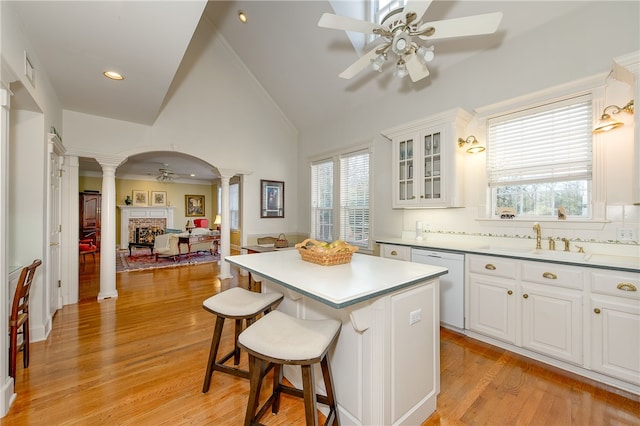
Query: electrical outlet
625	234
415	316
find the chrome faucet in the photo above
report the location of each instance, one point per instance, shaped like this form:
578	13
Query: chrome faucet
536	227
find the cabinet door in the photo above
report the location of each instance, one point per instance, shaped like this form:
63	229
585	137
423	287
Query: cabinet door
552	322
406	185
431	162
492	307
615	338
91	211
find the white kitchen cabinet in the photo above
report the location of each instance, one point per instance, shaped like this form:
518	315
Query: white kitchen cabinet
552	321
492	297
425	161
615	325
507	302
552	308
392	251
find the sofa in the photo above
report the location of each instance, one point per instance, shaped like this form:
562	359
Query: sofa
166	245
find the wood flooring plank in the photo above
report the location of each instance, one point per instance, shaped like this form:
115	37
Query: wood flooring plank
140	359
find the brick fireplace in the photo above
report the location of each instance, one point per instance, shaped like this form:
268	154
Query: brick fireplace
143	222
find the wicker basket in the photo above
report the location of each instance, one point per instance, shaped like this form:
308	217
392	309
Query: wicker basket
313	251
281	241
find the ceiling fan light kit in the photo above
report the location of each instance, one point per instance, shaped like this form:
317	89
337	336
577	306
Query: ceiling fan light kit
402	33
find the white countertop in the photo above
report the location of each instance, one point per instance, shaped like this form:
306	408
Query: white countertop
338	286
477	246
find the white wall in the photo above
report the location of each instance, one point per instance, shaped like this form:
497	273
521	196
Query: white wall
572	48
217	112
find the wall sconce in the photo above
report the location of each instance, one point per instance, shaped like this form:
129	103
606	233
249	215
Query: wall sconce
607	123
475	147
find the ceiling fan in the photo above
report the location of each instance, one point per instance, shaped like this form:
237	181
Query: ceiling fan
401	33
166	175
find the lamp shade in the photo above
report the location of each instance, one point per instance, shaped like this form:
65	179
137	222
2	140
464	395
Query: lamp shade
218	220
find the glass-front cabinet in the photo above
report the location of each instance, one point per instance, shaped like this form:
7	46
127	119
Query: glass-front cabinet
425	158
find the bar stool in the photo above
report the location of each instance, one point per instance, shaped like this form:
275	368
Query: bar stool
237	304
278	339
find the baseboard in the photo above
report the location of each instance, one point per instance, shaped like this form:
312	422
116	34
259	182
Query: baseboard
8	396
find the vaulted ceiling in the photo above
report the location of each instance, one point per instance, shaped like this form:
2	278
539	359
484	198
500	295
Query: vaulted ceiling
281	45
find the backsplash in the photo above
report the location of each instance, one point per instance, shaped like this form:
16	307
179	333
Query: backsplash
599	236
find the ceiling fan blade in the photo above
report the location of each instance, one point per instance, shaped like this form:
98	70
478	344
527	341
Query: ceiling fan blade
417	70
419	7
461	27
337	22
360	64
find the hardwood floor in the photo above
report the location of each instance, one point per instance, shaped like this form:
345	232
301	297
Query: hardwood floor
140	360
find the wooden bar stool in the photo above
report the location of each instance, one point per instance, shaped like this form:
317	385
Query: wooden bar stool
237	304
279	339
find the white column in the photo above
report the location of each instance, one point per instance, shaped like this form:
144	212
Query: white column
225	246
108	233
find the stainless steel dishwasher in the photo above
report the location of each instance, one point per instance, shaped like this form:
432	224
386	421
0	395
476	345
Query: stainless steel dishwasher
451	284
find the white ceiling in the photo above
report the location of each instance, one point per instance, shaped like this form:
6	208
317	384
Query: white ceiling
293	59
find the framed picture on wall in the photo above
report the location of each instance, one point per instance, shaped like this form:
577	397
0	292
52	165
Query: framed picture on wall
194	205
271	199
158	198
140	198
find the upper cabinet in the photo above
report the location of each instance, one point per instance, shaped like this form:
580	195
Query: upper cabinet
425	161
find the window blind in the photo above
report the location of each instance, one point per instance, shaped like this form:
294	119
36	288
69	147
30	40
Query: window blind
322	200
354	198
549	143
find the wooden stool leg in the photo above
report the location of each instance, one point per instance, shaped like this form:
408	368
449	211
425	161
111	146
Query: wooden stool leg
309	391
256	376
328	384
213	353
236	349
277	382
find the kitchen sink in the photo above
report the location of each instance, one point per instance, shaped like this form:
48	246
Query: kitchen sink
538	254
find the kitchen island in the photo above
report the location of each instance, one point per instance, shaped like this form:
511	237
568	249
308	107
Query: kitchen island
386	361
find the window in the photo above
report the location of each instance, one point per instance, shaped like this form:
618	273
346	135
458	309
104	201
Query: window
380	8
234	206
340	188
540	159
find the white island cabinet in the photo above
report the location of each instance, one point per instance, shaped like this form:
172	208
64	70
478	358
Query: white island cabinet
386	361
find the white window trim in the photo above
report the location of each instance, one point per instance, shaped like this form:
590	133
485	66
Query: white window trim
593	85
334	156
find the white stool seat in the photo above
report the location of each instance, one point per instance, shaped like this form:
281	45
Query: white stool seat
238	302
240	306
281	336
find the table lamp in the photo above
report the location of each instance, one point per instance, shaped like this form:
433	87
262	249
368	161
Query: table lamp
217	222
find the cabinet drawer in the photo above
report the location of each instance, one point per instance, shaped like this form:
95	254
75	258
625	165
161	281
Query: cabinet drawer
395	252
616	283
553	274
493	266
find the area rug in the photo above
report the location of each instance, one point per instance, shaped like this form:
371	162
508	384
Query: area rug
144	260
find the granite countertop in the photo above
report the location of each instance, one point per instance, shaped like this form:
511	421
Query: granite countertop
521	251
338	286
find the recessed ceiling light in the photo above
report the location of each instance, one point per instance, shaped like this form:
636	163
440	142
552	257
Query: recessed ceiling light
113	75
192	175
242	17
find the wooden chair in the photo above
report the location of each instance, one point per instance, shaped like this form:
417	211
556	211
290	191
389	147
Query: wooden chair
86	247
19	319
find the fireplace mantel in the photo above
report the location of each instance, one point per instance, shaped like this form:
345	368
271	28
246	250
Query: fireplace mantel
136	212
